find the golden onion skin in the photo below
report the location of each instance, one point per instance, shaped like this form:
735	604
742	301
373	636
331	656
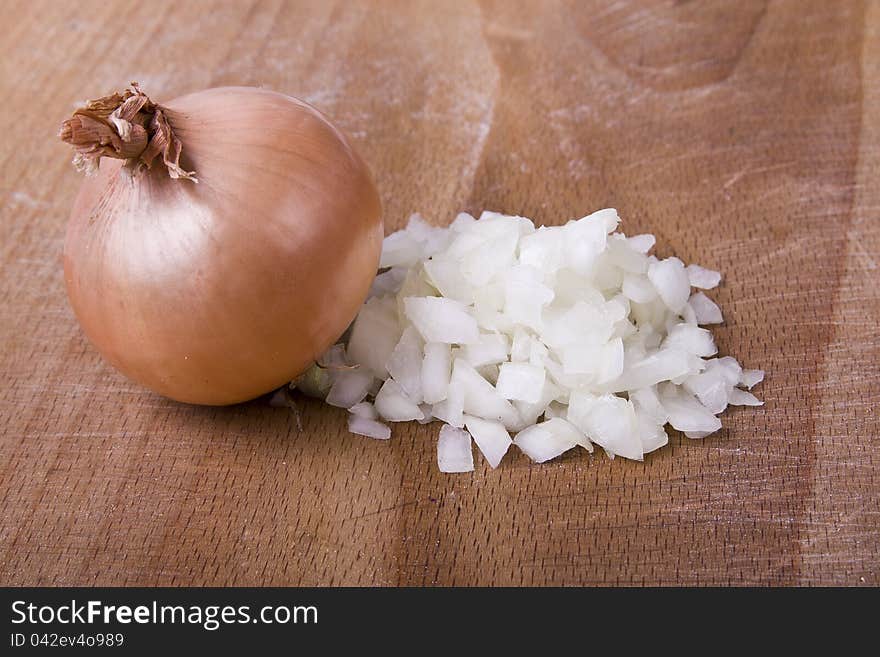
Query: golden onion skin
219	291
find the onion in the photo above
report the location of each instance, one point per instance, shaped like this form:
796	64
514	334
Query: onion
563	336
364	426
394	404
216	292
454	450
547	440
491	437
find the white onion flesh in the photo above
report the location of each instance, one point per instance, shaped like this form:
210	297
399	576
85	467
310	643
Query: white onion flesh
547	440
349	387
364	426
751	378
703	278
563	336
705	310
454	452
491	437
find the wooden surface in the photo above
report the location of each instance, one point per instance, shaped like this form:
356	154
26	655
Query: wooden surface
745	135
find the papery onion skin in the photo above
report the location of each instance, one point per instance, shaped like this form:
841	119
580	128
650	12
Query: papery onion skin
219	291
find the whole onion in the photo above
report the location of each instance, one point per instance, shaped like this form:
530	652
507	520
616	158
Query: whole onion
224	241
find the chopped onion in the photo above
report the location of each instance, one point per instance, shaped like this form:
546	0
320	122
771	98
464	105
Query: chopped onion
490	349
350	386
493	326
400	249
364	409
703	278
480	397
638	288
705	310
690	339
393	404
370	428
751	378
671	282
642	243
451	409
436	370
454	452
742	398
374	335
405	364
547	440
686	413
607	420
442	320
491	437
521	381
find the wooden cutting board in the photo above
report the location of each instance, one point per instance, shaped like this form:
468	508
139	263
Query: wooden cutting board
745	135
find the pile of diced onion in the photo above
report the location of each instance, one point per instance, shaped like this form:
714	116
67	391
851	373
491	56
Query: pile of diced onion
560	337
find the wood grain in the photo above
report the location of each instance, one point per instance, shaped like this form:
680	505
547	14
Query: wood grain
745	135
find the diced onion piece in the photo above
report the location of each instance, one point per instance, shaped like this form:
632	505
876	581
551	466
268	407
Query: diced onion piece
491	437
350	386
730	369
664	365
494	252
652	435
490	349
638	288
436	370
705	310
525	296
388	282
444	273
751	378
393	404
442	320
648	403
529	412
405	364
400	250
608	420
521	345
611	361
538	353
547	440
366	427
584	242
670	280
703	278
621	254
480	397
544	250
691	339
642	243
454	453
686	413
432	239
521	381
710	388
742	398
451	409
374	335
364	409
